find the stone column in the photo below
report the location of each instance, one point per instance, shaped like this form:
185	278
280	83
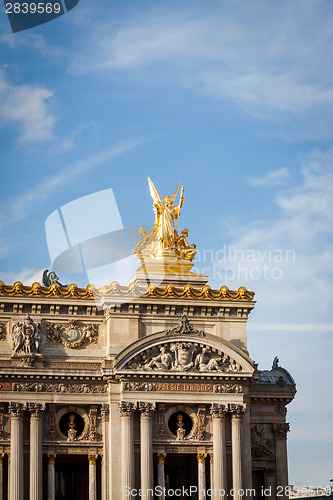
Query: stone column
280	434
246	452
16	450
2	455
146	447
92	459
237	412
127	448
201	475
211	471
51	476
105	459
218	412
160	473
36	466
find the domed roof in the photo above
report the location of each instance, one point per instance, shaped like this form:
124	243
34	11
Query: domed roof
277	375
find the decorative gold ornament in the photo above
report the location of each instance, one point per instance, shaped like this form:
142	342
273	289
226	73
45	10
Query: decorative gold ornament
164	250
92	459
161	458
51	457
201	457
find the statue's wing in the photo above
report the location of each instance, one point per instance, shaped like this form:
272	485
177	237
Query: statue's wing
154	193
175	193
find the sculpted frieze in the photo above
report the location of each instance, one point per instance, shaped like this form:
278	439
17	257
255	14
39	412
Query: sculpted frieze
219	388
184	356
42	387
73	334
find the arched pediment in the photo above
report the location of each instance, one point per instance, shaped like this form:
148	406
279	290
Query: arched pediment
184	349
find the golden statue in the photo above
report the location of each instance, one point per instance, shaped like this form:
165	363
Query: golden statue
165	215
163	250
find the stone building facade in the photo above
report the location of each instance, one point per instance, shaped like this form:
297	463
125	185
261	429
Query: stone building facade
107	394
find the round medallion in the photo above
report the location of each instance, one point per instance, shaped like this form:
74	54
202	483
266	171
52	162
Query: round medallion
72	334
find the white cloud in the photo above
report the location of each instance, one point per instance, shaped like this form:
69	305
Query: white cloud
29	40
26	106
20	208
271	179
266	65
27	276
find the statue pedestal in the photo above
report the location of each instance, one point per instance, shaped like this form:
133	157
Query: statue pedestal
166	269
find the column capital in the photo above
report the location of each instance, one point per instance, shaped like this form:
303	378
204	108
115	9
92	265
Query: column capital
92	459
126	408
280	430
145	408
17	409
218	410
36	409
161	457
237	410
51	458
105	411
201	457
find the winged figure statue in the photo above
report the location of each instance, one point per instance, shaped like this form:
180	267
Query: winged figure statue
165	216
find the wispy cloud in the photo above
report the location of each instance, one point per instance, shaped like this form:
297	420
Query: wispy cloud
20	208
26	276
26	106
271	179
218	54
30	41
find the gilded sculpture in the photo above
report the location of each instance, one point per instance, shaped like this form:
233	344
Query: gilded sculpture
163	249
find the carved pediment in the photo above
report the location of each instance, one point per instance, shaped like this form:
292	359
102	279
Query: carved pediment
182	356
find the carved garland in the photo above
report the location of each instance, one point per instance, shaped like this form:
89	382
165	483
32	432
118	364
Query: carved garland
2	331
72	335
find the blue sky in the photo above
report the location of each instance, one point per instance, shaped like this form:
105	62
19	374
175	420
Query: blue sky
236	99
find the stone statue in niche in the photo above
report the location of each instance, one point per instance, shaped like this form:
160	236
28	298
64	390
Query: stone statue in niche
71	435
180	428
26	338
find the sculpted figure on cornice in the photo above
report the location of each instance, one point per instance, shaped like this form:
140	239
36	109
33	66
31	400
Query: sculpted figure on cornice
184	356
72	335
185	328
26	338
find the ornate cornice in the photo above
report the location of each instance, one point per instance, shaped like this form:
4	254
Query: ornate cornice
133	290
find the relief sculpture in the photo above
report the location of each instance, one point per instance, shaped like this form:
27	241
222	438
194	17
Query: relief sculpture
184	356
